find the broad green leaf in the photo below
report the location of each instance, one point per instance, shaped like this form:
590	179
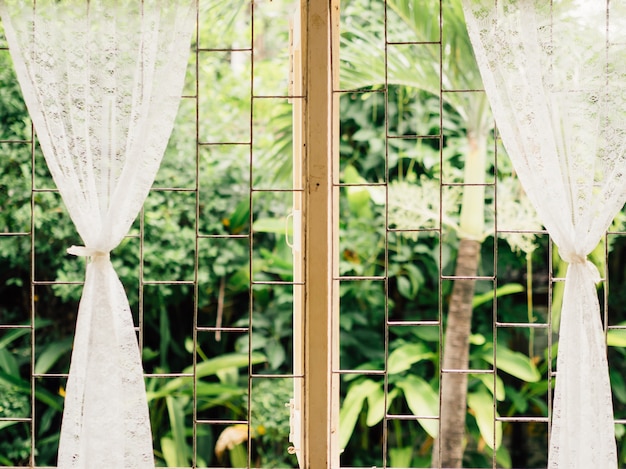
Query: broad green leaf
404	287
503	457
275	353
498	392
6	423
358	196
12	335
415	276
238	456
352	176
239	217
272	225
540	404
514	363
406	355
508	289
276	262
176	414
477	339
148	354
618	385
519	401
168	448
8	363
376	405
351	408
205	389
481	404
400	457
427	333
423	400
51	353
232	360
208	368
616	338
228	376
24	386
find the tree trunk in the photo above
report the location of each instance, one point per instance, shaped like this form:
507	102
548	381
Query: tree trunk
449	446
456	357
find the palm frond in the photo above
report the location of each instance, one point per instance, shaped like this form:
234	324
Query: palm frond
427	63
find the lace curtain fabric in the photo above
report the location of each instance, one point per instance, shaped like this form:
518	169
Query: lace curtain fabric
555	75
102	81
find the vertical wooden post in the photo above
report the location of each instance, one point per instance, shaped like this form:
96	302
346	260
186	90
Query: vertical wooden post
334	229
319	420
296	91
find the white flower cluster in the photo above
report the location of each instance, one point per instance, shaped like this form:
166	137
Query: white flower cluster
422	205
425	204
516	219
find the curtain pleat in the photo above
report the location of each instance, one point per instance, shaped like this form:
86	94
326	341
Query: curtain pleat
554	75
102	81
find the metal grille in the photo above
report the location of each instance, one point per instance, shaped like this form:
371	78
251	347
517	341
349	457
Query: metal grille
406	168
212	280
208	265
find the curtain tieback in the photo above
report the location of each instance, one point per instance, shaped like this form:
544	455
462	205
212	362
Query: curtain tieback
573	258
91	253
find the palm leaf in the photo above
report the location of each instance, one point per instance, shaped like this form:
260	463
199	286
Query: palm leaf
423	64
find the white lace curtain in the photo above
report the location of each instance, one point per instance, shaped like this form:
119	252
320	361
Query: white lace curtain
555	75
102	81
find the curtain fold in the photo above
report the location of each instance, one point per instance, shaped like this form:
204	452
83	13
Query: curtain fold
102	80
554	73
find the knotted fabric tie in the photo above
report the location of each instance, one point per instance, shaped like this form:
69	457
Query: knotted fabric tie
84	251
572	258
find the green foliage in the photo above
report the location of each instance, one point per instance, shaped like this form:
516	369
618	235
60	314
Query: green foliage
270	417
412	381
169	226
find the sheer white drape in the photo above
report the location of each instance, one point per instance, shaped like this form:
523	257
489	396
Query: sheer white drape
554	73
102	80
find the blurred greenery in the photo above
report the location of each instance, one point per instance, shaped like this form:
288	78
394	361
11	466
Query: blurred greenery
412	261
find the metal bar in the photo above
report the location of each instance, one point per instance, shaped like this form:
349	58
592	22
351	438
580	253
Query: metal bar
221	328
468	277
169	282
413	323
221	422
530	325
231	49
360	372
410	417
348	278
523	419
296	87
196	286
210	144
252	7
275	376
33	430
52	282
467	372
440	305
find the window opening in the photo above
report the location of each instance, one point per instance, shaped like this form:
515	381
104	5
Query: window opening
434	225
208	265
